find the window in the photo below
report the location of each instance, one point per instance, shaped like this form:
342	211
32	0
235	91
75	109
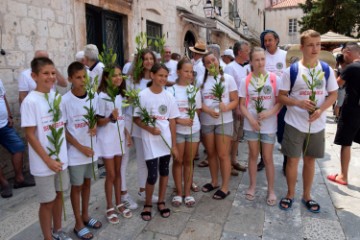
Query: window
153	32
292	26
232	11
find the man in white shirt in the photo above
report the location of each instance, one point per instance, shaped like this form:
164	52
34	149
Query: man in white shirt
227	57
26	83
96	68
239	69
305	119
171	65
198	52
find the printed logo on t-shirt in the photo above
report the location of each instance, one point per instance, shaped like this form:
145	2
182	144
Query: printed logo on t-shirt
162	109
267	89
279	65
319	84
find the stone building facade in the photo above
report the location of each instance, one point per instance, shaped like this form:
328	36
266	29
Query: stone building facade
64	27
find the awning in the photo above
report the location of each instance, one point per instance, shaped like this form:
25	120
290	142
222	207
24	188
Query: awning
195	19
228	31
331	37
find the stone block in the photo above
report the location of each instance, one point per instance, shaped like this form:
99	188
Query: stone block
172	226
41	43
42	28
17	9
60	16
15	59
47	14
25	43
28	26
226	235
212	210
56	30
34	12
200	229
145	235
11	25
322	229
8	41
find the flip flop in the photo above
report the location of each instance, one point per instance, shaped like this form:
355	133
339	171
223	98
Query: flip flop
310	204
92	223
271	200
176	201
249	197
333	179
194	187
220	195
189	201
208	188
287	202
81	233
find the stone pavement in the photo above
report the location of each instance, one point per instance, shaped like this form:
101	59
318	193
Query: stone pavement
232	218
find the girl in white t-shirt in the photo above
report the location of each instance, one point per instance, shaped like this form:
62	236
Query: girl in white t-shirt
140	82
216	127
161	105
261	125
182	90
109	142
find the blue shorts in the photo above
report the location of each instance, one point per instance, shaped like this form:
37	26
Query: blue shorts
264	137
10	140
218	129
180	138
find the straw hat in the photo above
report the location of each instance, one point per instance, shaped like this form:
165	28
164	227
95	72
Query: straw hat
200	47
294	52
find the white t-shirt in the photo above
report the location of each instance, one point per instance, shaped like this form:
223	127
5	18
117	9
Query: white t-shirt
238	72
268	95
126	68
222	64
26	82
108	142
298	117
172	66
136	131
181	96
199	70
276	63
77	127
163	107
3	110
35	113
208	100
96	70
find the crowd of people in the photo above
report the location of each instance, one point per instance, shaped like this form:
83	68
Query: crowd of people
216	99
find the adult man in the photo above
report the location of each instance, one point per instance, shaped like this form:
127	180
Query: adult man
27	84
171	65
198	52
91	54
239	69
12	142
348	128
303	114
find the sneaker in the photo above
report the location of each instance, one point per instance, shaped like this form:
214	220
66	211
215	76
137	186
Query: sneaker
129	202
60	235
142	197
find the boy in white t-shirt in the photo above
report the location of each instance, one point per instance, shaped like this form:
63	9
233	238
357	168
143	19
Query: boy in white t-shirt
48	172
78	136
304	117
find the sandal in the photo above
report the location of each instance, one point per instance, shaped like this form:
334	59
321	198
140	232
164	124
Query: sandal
220	195
81	234
271	199
189	201
123	211
310	204
250	196
194	187
112	218
203	163
208	188
93	223
165	212
287	202
176	201
146	215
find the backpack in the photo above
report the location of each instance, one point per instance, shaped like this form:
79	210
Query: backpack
272	77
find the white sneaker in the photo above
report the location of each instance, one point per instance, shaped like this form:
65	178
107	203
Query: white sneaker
142	196
129	202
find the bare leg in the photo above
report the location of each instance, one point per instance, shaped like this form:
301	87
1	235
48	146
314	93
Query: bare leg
345	156
57	211
209	143
253	156
188	169
291	176
308	176
17	161
267	150
45	217
177	169
222	148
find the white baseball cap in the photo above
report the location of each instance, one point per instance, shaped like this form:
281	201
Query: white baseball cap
229	52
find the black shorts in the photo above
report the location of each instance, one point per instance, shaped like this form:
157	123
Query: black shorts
348	129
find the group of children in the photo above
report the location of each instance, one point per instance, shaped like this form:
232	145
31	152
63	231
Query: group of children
179	116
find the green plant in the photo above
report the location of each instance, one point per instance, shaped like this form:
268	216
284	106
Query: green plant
90	116
132	99
160	44
56	138
140	41
316	80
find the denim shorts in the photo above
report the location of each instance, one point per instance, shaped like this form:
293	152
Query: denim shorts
180	138
10	140
264	137
218	129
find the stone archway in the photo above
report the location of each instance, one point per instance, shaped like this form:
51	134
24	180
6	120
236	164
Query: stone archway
189	41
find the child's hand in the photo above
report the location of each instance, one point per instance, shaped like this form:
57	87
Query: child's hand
223	107
115	113
129	141
174	152
54	165
92	131
155	131
263	115
254	124
87	151
214	113
186	122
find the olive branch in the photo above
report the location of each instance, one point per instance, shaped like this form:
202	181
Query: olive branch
316	80
56	138
90	116
140	41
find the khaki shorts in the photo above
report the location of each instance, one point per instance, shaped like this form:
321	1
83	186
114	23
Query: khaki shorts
294	143
238	128
46	187
79	173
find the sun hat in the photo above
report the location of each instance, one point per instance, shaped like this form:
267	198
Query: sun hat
200	47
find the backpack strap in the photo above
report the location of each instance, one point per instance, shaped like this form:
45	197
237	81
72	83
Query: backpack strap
294	70
325	67
247	82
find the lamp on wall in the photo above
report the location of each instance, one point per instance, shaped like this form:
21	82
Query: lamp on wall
246	29
237	20
209	9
